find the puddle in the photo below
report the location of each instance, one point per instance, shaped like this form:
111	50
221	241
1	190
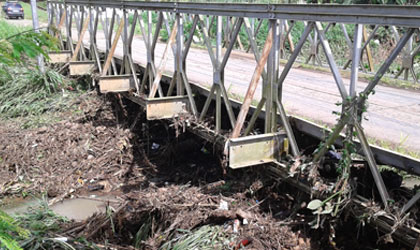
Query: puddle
77	209
18	205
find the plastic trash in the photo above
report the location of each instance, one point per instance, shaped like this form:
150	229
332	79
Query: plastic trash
223	205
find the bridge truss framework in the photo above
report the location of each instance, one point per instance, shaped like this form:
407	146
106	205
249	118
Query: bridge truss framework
120	19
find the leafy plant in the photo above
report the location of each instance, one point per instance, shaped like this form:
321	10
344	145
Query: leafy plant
24	92
9	230
43	223
205	237
16	44
38	228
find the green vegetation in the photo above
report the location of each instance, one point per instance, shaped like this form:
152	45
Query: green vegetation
41	4
42	223
27	93
24	90
205	237
10	231
42	14
20	43
38	228
385	80
400	147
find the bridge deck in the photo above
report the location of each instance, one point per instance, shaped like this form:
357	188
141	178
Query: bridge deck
393	114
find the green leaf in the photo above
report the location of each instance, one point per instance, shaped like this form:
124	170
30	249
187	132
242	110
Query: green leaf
314	204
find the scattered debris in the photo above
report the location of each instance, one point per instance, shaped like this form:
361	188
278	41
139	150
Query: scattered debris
171	193
174	215
86	153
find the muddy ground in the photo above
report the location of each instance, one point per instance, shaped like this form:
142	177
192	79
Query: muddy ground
169	184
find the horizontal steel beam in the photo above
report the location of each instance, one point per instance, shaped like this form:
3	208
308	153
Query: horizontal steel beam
407	16
382	156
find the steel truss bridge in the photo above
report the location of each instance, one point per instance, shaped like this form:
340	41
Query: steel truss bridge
92	32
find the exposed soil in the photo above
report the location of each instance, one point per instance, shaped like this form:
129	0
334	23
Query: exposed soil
168	182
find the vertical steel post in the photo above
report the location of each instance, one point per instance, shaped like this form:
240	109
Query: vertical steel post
49	14
357	44
282	37
217	80
276	64
407	60
151	52
58	15
314	47
179	61
268	85
92	54
68	29
35	24
125	41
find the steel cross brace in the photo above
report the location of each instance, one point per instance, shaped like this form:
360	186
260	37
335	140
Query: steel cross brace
162	65
254	31
93	28
253	45
113	47
253	85
285	34
313	53
106	26
82	26
58	34
128	51
284	73
181	57
150	43
79	45
353	108
352	44
219	64
408	55
275	83
68	24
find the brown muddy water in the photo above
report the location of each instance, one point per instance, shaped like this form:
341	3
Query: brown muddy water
77	209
